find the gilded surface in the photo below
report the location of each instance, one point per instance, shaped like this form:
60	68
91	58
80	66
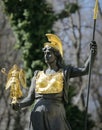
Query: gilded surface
15	78
54	42
49	83
96	10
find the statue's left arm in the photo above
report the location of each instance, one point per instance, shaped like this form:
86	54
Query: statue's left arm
75	71
29	100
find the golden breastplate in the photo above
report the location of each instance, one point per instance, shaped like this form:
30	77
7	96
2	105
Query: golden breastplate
49	83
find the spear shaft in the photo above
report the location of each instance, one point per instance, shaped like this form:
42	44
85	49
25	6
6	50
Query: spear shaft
94	28
90	63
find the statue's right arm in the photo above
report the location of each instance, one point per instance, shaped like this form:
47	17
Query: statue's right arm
29	100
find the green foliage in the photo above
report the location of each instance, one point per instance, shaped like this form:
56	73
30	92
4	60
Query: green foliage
70	8
30	20
75	116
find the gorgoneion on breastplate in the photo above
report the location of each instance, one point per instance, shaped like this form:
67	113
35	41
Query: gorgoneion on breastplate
49	83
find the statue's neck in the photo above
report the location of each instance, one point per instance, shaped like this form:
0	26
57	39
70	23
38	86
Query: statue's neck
52	68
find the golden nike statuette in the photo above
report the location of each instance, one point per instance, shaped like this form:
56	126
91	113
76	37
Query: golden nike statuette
15	79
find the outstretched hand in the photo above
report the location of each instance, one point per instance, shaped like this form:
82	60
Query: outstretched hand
93	47
15	106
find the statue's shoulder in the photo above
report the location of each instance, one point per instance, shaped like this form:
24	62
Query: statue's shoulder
36	73
67	67
67	70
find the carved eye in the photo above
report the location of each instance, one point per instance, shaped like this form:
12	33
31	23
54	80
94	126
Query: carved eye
43	49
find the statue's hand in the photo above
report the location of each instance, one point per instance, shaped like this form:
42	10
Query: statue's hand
93	47
15	106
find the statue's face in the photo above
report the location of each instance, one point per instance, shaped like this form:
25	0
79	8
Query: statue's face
49	55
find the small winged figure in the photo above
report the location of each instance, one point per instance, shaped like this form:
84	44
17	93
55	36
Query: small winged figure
15	78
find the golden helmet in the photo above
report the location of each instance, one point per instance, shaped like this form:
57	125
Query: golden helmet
54	42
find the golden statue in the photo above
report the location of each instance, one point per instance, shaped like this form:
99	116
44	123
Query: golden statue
15	78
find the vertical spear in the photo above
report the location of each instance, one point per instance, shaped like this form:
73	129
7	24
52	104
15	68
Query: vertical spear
94	17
